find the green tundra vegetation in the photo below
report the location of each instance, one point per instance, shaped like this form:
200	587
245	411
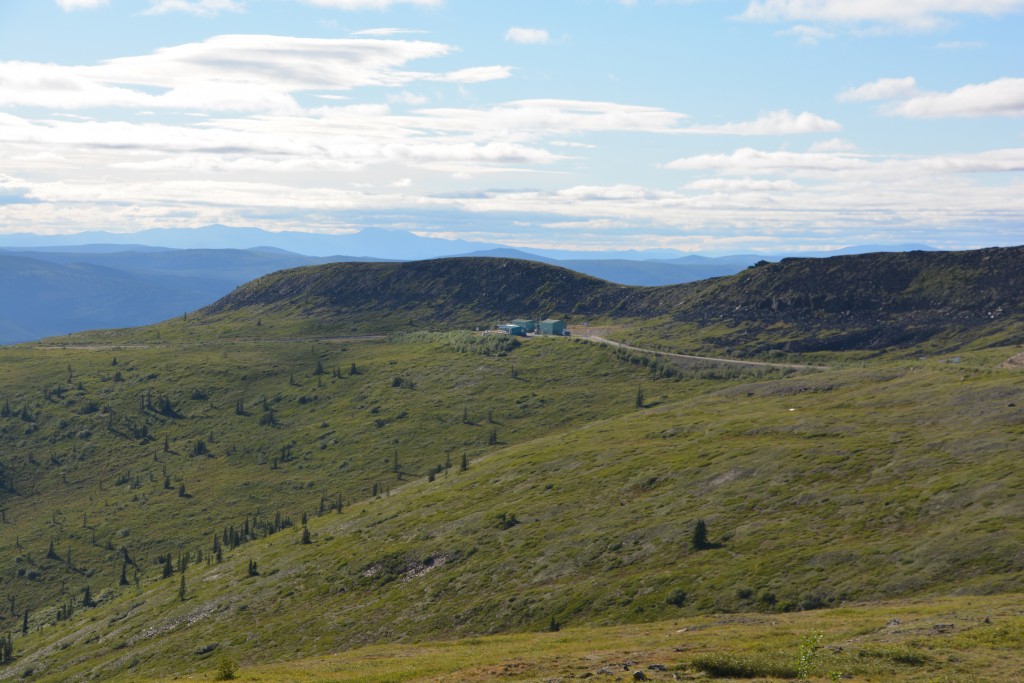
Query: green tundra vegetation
257	491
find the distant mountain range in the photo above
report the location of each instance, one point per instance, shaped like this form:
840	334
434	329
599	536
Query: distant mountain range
58	284
389	245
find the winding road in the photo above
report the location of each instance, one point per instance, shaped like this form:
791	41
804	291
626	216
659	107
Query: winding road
708	359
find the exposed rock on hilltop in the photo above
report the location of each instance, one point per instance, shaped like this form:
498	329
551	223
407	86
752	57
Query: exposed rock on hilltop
868	301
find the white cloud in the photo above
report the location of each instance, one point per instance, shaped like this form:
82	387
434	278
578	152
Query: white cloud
604	193
1002	97
833	145
748	160
342	139
475	74
850	166
404	182
530	118
229	72
527	36
904	199
573	145
807	35
202	8
741	185
72	5
882	89
371	4
913	14
772	123
406	97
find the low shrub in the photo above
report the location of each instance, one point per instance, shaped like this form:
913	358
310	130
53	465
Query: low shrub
732	665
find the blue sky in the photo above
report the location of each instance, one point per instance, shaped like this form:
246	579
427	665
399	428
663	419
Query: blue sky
708	125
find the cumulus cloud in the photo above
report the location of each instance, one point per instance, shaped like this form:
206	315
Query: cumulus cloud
72	5
202	8
527	36
882	89
780	122
914	14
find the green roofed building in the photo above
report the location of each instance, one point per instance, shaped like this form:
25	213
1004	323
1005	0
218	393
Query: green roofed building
556	327
514	330
528	325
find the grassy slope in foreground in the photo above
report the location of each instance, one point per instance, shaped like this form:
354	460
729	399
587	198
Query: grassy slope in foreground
951	640
851	485
100	462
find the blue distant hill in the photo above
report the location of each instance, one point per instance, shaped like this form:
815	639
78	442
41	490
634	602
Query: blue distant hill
58	284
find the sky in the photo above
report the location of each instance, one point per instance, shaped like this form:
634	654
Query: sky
710	126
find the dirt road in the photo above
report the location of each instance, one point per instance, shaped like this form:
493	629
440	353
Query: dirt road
708	359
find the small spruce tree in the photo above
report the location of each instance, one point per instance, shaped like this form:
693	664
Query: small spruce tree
700	536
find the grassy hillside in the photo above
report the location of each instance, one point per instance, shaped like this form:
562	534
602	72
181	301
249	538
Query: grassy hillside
246	483
858	484
952	640
97	443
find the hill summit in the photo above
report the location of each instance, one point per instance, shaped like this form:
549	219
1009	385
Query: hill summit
866	301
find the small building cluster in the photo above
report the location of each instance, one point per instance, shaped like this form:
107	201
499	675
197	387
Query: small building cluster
523	327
